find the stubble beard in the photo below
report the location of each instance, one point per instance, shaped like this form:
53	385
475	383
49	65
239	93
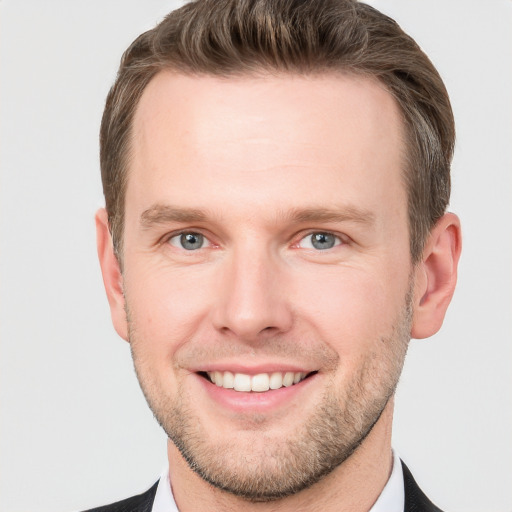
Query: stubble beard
311	450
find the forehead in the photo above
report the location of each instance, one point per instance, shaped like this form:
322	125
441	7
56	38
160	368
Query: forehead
255	134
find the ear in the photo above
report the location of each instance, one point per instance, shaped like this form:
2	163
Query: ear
436	276
112	277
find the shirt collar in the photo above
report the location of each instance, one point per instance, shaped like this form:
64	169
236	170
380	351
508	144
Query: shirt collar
164	500
391	499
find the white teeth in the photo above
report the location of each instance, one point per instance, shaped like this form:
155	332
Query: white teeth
260	383
276	380
242	382
228	381
288	379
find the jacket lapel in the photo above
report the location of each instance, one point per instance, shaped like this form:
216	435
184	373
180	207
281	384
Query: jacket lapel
415	499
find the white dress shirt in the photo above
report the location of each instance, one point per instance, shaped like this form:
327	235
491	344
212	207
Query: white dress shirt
391	498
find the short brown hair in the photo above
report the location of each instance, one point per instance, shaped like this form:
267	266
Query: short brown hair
233	37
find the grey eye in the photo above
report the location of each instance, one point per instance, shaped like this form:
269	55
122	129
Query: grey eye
320	241
188	241
323	240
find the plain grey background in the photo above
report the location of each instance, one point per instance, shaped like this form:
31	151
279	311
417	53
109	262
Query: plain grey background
75	430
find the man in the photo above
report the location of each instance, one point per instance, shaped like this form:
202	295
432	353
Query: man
276	176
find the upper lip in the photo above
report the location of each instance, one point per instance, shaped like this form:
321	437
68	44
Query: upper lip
234	367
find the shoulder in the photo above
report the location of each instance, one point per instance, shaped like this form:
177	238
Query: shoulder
415	499
139	503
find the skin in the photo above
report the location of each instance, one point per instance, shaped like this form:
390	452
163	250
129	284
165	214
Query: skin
267	161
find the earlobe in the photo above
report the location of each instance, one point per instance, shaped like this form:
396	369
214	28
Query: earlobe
436	276
111	272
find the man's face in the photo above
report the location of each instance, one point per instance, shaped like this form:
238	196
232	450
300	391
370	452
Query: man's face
266	242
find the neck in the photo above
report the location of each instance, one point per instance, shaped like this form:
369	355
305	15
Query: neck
353	486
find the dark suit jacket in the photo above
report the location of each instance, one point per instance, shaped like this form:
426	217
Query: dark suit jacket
415	500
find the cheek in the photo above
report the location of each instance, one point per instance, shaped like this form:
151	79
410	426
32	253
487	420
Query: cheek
350	308
166	306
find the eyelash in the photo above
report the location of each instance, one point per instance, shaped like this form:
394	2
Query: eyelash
187	232
338	240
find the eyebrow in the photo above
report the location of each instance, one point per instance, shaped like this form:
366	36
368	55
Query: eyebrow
163	214
342	214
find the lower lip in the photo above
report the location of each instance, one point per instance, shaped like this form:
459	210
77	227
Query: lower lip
255	401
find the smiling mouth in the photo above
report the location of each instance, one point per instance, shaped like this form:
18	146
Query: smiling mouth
255	383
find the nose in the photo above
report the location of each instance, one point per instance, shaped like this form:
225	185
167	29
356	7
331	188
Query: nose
252	300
